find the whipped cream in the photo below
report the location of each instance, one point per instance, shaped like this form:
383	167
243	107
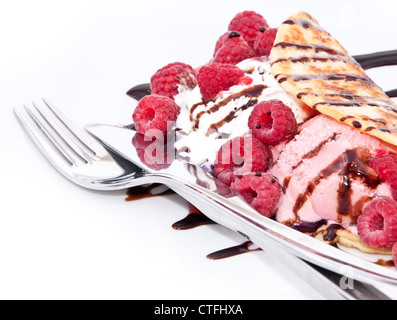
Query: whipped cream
202	128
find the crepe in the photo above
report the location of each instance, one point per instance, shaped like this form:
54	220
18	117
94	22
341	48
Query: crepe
347	239
314	67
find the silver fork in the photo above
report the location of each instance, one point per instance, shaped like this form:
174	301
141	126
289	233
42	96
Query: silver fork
75	153
84	161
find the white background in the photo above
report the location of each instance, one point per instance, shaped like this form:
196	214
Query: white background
59	241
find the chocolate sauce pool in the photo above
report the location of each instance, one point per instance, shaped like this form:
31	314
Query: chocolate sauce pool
193	220
138	193
233	251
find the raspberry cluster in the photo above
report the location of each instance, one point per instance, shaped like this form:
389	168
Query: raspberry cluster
156	113
248	24
248	35
242	163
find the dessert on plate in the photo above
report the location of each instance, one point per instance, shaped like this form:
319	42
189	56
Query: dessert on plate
290	121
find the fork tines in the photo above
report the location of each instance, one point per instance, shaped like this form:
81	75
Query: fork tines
56	134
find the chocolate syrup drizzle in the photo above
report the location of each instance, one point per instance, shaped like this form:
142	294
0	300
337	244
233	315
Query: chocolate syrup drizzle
194	219
305	24
327	77
317	59
140	192
232	115
351	100
367	61
311	154
251	92
317	48
233	251
351	165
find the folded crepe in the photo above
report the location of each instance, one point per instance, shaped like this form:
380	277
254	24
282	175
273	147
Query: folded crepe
314	67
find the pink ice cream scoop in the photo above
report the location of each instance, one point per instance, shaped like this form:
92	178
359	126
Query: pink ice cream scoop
325	173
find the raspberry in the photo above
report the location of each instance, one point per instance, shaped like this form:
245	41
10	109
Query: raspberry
217	77
166	80
152	151
260	190
272	121
220	42
264	41
233	50
248	24
155	115
239	156
395	254
377	225
385	165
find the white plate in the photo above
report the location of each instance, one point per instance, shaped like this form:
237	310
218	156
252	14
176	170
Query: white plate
61	241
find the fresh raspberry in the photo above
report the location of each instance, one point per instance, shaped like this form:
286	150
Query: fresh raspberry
272	121
385	165
248	24
395	254
240	156
153	151
260	190
233	50
377	225
166	80
155	115
217	77
220	42
264	41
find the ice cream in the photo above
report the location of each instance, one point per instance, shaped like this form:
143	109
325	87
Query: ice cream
203	128
327	163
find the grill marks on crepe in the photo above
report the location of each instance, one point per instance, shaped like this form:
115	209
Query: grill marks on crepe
313	66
